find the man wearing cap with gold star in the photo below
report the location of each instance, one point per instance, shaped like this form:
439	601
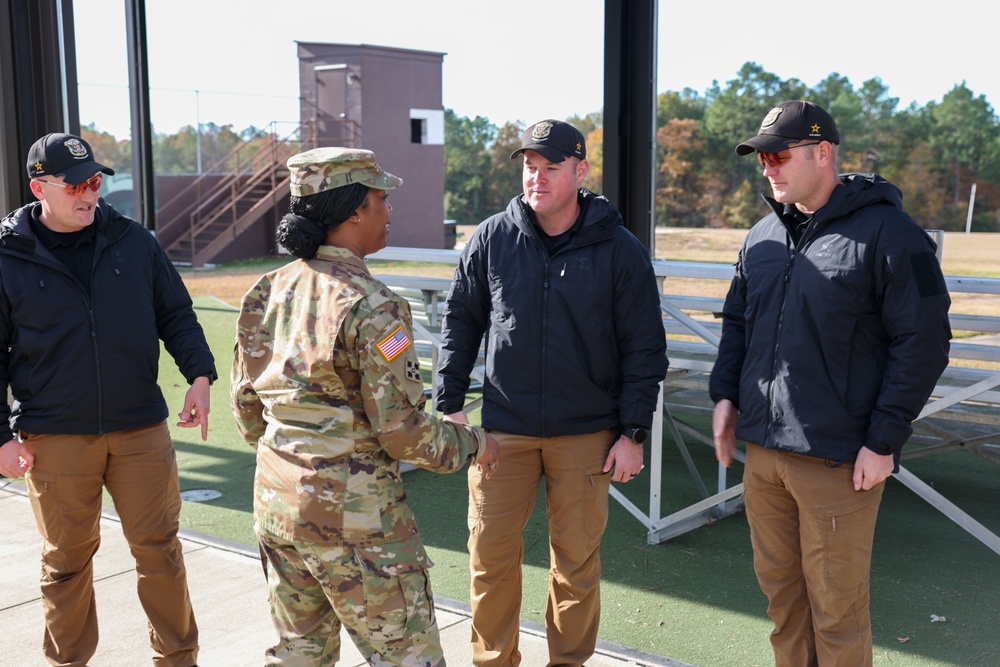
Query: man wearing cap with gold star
86	296
835	330
326	385
575	352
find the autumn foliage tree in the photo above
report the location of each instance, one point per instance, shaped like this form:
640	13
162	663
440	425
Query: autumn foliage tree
678	191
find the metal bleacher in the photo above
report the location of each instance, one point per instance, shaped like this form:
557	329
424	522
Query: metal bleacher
962	414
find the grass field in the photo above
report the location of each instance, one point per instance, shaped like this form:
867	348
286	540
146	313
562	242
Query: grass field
693	598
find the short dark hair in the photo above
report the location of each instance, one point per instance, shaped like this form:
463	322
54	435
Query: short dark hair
302	231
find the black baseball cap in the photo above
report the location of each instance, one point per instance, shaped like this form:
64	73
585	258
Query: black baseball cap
789	123
65	155
554	140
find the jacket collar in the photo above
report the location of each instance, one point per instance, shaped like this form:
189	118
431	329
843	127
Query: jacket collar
854	192
16	232
599	217
332	253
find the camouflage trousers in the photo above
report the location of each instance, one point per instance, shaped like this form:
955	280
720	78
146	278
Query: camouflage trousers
315	589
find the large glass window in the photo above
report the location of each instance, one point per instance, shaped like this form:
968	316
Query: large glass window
228	85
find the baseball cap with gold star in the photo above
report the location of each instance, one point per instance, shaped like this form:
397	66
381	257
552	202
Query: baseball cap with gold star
554	140
66	155
789	123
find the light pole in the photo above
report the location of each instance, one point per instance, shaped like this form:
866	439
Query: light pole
197	116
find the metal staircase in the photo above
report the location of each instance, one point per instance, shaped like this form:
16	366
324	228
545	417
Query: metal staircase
205	217
235	193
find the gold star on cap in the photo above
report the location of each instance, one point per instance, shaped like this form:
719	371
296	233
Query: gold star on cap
815	128
578	145
38	166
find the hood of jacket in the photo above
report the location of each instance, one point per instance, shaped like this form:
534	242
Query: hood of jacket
600	217
855	191
16	233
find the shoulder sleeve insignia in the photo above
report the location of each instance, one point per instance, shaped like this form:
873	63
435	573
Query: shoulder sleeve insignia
393	344
413	370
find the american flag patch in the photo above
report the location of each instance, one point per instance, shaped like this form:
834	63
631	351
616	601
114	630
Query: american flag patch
393	344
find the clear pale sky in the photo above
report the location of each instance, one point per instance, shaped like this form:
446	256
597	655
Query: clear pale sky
519	59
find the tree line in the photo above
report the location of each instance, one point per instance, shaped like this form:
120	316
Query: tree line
174	153
934	153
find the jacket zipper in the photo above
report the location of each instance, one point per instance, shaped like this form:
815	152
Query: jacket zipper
545	311
545	348
550	261
99	248
777	341
97	362
793	249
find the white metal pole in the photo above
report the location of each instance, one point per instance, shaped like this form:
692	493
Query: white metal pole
972	202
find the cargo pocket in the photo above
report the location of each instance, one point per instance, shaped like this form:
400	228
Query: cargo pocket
67	511
397	590
849	534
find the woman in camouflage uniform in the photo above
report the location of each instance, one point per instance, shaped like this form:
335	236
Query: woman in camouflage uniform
326	385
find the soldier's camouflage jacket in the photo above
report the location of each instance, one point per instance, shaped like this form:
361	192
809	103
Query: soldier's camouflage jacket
326	385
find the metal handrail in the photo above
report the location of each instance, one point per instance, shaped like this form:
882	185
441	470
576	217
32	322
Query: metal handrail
213	170
237	188
234	188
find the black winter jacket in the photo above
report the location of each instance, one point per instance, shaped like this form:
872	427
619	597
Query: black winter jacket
837	342
575	341
87	365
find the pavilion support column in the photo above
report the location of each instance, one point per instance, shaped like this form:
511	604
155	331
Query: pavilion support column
630	112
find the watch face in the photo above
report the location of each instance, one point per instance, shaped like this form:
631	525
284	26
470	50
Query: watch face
637	435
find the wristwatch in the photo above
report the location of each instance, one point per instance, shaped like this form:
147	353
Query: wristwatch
636	434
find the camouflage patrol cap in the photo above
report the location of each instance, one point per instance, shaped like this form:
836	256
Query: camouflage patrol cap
323	169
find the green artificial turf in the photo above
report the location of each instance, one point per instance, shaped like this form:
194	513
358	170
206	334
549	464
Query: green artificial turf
693	598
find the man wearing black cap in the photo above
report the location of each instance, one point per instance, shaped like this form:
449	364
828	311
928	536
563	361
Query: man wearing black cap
835	330
86	295
574	356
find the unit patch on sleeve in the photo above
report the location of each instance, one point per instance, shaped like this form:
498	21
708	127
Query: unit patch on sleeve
413	370
394	343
